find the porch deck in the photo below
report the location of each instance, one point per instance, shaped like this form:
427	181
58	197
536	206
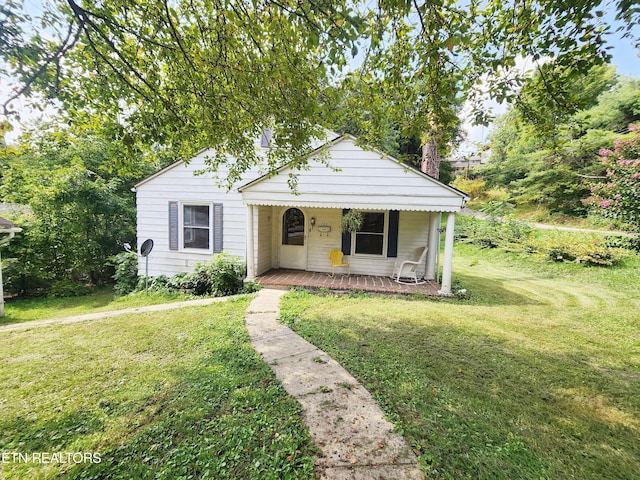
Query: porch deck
367	283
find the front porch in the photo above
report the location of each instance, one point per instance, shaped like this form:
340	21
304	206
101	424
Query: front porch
367	283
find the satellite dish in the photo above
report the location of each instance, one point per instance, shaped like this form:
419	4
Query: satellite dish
146	247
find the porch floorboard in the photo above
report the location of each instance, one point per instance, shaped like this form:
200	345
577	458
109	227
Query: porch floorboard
367	283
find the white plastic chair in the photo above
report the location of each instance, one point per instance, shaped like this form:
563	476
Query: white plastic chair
408	269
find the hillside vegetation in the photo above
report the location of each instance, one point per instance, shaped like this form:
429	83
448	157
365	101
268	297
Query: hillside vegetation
548	160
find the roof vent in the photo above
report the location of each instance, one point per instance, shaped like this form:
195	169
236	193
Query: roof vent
265	138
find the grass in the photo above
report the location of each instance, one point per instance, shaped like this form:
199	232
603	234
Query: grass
25	310
536	375
162	396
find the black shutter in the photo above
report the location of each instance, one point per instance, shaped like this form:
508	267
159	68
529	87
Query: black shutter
346	238
174	226
392	242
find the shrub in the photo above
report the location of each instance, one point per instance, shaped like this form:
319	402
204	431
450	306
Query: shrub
619	196
250	287
180	282
618	241
155	284
494	232
517	236
18	279
475	188
222	276
587	250
69	288
226	274
126	272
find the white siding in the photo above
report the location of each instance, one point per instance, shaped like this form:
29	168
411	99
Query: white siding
356	178
321	243
178	183
364	180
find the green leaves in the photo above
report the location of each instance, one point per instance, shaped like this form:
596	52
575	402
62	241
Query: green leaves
215	73
197	73
78	210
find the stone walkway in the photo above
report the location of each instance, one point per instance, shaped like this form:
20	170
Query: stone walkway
113	313
356	441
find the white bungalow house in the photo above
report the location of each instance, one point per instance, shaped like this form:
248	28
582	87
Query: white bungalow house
190	219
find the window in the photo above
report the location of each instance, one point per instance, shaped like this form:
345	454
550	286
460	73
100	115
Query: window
369	239
293	227
196	226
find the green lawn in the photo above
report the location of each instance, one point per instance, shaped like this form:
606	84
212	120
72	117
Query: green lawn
164	396
536	375
25	310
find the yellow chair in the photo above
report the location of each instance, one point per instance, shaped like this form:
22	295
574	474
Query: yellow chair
335	256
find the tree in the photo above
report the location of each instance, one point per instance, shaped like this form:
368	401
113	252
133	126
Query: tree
616	108
194	73
619	196
78	210
552	166
425	58
186	74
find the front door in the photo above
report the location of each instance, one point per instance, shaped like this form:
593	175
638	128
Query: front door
293	249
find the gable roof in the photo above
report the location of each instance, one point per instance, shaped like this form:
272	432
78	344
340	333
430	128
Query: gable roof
341	174
166	169
251	174
353	178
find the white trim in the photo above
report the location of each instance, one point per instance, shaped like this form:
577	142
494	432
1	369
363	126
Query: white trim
385	238
447	263
181	225
373	202
434	245
250	252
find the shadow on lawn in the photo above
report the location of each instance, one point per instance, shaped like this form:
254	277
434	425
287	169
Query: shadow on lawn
53	434
492	291
479	407
226	418
19	310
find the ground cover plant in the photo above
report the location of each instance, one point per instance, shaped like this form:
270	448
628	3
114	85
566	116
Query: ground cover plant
164	395
535	375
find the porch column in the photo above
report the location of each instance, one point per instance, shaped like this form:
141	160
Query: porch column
434	245
447	264
251	260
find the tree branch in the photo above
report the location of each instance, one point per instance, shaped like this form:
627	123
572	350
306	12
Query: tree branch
82	14
59	53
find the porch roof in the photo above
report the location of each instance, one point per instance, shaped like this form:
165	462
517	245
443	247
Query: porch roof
344	175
